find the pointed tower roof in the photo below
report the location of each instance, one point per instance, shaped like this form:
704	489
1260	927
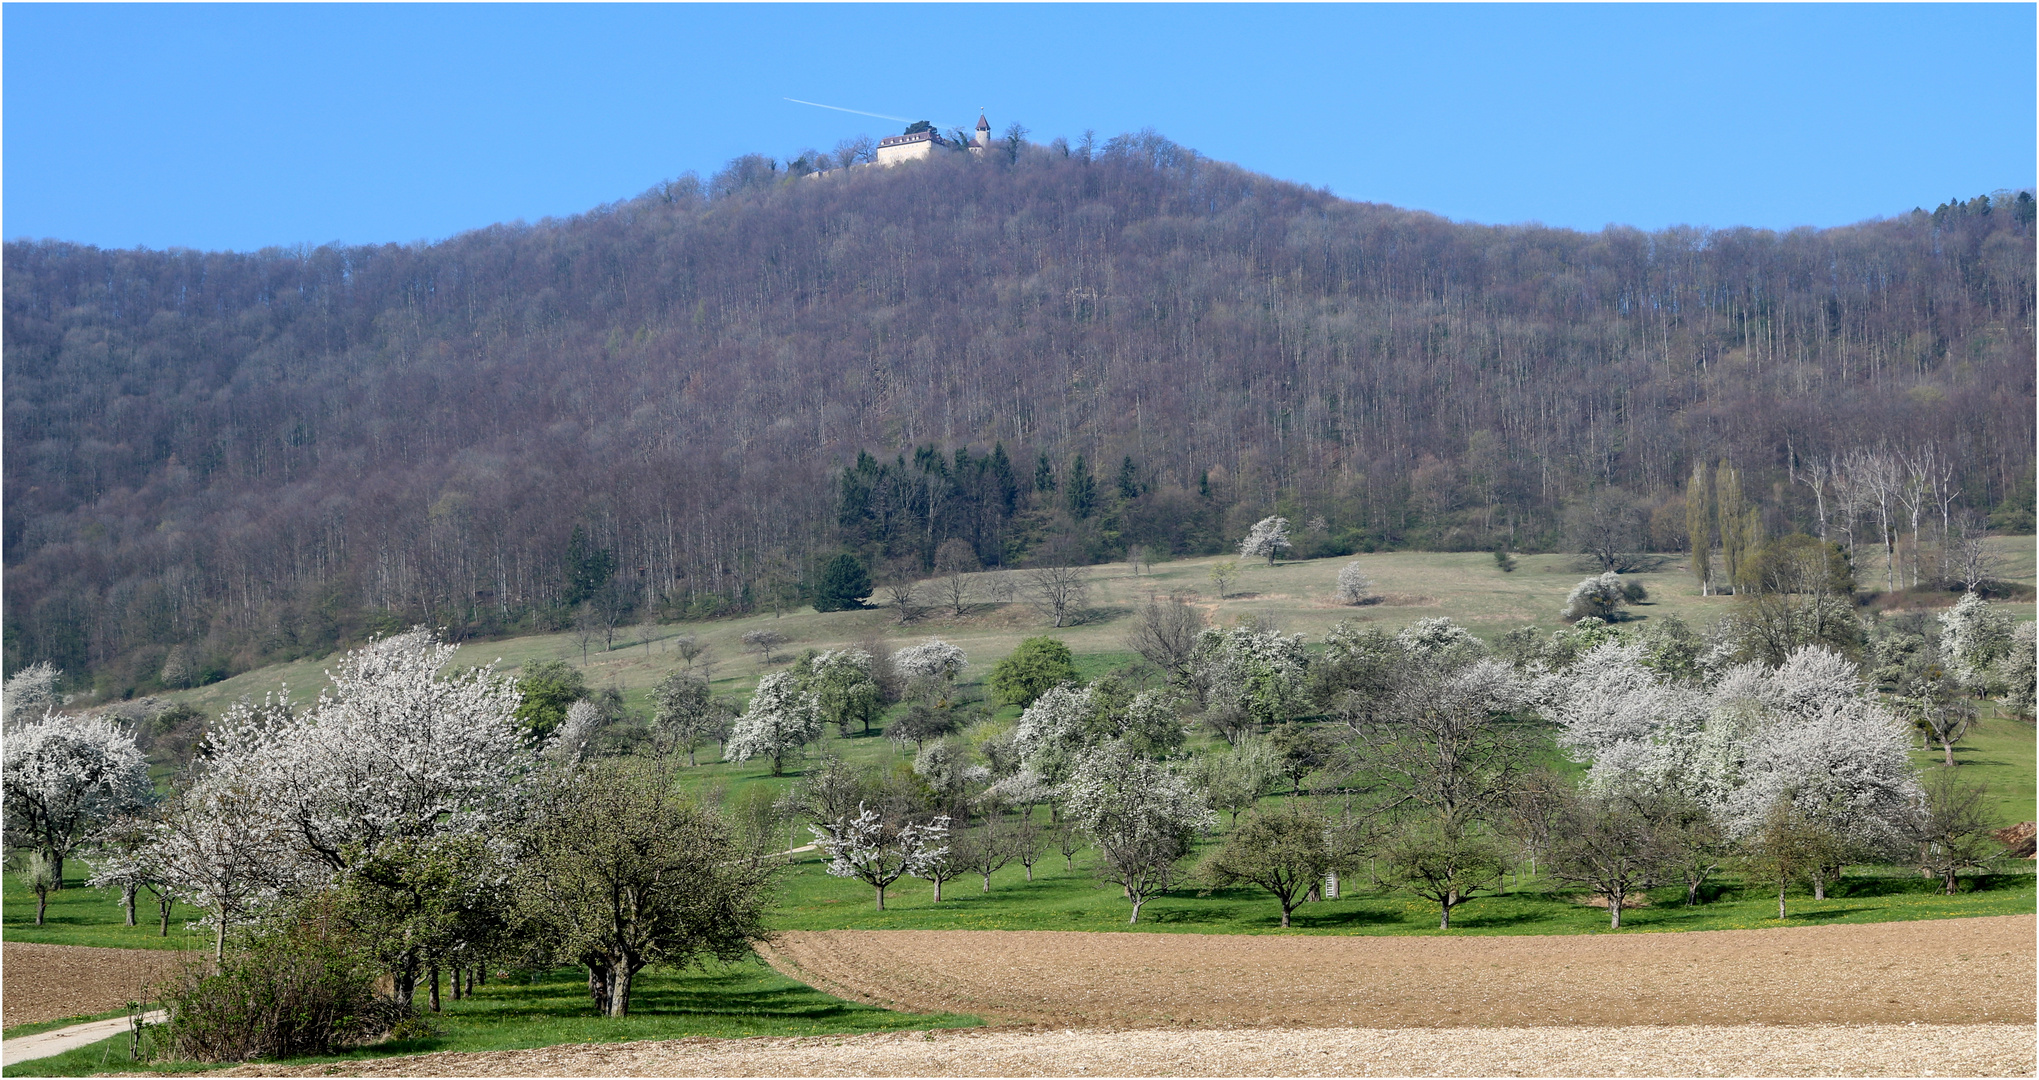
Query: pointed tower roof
983	124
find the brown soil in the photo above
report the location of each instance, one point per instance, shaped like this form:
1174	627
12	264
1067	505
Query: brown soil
1942	971
1822	1050
50	982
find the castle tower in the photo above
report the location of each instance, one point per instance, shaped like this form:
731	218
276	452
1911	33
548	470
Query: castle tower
983	132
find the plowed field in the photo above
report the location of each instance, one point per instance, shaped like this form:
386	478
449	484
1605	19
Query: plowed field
1942	971
1883	1050
50	982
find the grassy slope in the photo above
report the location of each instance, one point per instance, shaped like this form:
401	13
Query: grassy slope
551	1008
1417	585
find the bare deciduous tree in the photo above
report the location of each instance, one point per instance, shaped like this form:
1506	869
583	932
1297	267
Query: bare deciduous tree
1969	559
1164	633
904	593
955	561
763	642
1058	591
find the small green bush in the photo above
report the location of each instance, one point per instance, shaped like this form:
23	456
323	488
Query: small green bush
1039	665
301	987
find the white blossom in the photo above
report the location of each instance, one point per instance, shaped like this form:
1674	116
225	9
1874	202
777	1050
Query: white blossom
222	846
864	848
1353	585
1806	733
1624	718
1975	635
2016	670
64	775
934	659
1597	596
1052	732
1024	788
1268	538
779	720
1260	672
570	743
1440	644
1811	679
390	751
946	767
1142	816
29	693
1845	765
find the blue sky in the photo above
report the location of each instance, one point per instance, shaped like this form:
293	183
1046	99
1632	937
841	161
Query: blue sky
243	126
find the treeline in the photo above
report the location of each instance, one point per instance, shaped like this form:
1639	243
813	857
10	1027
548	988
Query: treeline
265	455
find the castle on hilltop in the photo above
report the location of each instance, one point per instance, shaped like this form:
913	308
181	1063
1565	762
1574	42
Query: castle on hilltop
920	141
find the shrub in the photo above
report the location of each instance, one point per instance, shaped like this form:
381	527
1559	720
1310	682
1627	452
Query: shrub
302	987
1039	664
1354	587
1595	596
548	687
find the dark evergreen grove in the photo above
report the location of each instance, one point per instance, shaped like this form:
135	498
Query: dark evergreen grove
684	404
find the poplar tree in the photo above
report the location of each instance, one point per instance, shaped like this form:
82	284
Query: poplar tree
1727	486
1699	525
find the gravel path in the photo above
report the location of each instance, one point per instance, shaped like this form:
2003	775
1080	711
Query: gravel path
50	982
1942	971
1823	1050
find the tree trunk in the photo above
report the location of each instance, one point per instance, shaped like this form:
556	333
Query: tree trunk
1691	894
1136	911
881	898
598	985
219	940
1444	920
127	900
435	987
1780	900
938	890
405	978
42	904
56	870
1949	748
987	883
619	992
1285	916
1949	881
1030	871
163	909
456	972
1614	910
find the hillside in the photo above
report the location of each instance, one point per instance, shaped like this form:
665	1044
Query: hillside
257	456
1465	587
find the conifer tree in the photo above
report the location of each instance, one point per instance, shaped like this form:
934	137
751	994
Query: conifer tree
1082	493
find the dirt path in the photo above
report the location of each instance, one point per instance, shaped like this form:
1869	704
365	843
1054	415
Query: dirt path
1943	971
51	1043
50	982
1883	1050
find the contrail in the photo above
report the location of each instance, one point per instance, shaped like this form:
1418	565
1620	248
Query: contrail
859	112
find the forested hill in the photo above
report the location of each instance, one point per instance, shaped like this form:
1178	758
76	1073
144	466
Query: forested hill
254	455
